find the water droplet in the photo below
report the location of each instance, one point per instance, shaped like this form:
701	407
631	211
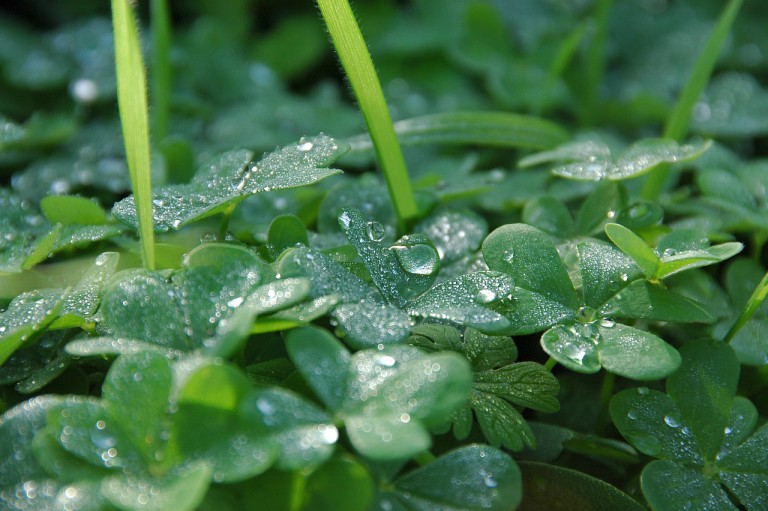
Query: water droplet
490	482
624	277
509	255
485	296
305	146
672	420
385	361
419	259
607	323
375	231
236	302
610	213
632	414
643	391
669	252
638	210
176	223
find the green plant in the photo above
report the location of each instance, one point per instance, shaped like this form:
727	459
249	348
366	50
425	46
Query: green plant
521	322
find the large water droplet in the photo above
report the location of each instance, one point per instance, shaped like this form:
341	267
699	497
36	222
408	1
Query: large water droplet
375	231
672	420
419	259
645	442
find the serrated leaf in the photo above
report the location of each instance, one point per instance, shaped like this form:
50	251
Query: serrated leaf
525	384
231	177
401	271
501	423
471	478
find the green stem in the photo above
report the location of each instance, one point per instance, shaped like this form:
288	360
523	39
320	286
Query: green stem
678	121
134	117
757	298
595	65
298	490
161	68
550	364
424	458
224	224
353	53
606	392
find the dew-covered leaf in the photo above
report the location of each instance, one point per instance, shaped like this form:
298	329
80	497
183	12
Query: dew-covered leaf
643	300
85	428
745	470
363	194
557	488
471	478
135	393
653	424
501	423
209	426
703	390
604	271
635	247
327	277
529	312
81	302
72	210
673	262
305	434
464	300
635	353
549	215
487	352
393	393
401	271
18	427
323	362
600	207
669	486
454	233
182	489
367	325
285	231
530	257
231	177
525	384
592	160
620	349
26	315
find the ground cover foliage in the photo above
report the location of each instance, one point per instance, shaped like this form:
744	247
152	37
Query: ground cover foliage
569	316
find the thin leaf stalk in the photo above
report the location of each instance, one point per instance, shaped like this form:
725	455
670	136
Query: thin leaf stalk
134	118
356	60
677	124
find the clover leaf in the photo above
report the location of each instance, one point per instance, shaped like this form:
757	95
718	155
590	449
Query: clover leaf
580	332
700	432
386	398
593	160
231	177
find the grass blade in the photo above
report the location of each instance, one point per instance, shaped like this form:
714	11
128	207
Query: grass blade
161	68
353	53
757	298
678	121
496	129
134	117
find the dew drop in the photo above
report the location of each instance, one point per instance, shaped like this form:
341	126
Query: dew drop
607	323
672	420
486	296
305	146
509	255
385	361
375	231
669	252
419	259
643	391
646	443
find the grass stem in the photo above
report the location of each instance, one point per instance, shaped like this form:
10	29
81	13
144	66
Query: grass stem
134	118
356	60
757	298
676	127
161	68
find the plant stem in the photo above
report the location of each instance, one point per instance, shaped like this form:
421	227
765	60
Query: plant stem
161	68
550	364
606	392
356	60
134	117
424	458
757	298
678	121
596	60
299	489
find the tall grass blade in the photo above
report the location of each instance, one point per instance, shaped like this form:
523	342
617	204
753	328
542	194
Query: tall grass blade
134	117
353	53
161	68
757	298
678	121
